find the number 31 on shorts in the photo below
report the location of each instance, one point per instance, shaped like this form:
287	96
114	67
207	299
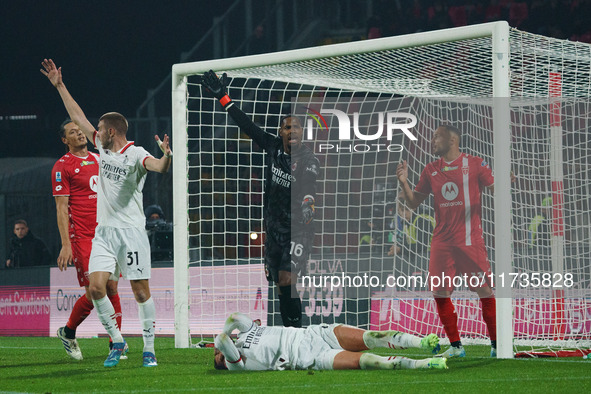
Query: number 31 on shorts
130	257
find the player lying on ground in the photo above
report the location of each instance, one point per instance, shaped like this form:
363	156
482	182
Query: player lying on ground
320	347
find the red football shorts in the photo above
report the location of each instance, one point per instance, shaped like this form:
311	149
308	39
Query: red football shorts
451	266
81	254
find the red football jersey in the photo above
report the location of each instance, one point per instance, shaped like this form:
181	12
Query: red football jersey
77	177
457	190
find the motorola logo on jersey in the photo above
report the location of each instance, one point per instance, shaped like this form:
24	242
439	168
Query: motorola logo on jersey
449	191
93	183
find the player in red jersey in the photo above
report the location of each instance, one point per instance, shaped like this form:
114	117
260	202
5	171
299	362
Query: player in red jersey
74	179
456	181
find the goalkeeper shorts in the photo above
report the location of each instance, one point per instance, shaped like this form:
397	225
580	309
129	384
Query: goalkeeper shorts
283	253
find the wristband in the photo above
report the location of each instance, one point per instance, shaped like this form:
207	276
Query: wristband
162	149
225	100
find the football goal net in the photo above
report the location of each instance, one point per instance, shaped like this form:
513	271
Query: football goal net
522	103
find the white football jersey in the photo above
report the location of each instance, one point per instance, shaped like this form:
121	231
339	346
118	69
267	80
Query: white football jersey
122	176
271	348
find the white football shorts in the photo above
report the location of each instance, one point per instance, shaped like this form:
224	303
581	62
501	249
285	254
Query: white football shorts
318	348
121	250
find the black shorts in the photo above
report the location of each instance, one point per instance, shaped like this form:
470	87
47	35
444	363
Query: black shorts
283	253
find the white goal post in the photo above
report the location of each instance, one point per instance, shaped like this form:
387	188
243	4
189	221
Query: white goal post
495	80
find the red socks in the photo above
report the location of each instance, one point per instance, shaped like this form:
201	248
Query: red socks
449	318
489	315
81	310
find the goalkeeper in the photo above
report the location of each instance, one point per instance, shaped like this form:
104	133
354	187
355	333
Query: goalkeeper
319	347
290	191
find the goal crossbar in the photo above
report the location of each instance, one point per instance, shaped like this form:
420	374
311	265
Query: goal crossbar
497	29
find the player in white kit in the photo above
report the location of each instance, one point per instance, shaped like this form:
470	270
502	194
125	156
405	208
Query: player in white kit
318	347
120	244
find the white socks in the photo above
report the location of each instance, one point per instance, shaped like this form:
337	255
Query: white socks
373	361
147	315
390	339
106	314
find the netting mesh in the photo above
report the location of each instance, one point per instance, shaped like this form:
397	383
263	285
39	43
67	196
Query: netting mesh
362	226
439	70
558	313
534	56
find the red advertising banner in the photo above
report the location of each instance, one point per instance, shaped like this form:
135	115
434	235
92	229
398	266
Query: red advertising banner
533	317
24	311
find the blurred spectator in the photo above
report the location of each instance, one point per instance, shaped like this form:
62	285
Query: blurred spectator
518	13
258	41
373	240
374	27
411	234
417	17
579	30
475	13
421	233
537	18
438	15
494	12
539	227
26	250
553	18
159	233
458	15
154	215
401	226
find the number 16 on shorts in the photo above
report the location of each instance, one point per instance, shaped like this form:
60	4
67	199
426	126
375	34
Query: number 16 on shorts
296	249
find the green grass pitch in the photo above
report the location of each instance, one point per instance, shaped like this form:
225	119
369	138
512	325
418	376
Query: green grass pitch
40	365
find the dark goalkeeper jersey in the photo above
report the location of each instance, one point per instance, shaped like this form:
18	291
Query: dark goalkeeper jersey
288	178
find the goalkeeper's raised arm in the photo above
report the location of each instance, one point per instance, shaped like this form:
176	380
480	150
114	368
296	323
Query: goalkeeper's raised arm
217	88
290	195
